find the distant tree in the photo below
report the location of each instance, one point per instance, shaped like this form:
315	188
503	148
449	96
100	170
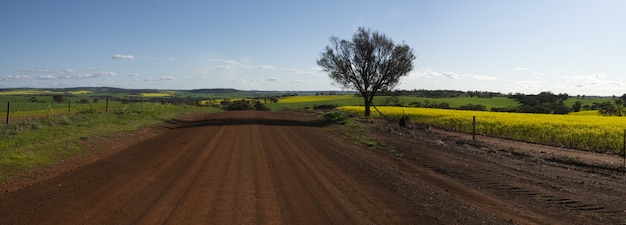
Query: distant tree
608	109
369	63
83	101
477	107
544	102
260	106
577	106
58	98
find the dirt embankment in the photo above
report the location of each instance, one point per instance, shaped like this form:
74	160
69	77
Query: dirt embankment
288	168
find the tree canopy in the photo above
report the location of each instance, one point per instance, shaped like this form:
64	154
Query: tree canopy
369	63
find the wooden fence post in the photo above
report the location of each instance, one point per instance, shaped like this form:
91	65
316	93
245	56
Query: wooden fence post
8	111
473	128
106	108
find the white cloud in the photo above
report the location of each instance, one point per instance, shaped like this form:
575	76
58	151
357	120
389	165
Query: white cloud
15	77
227	61
87	76
133	75
38	70
272	79
47	77
521	68
105	74
89	68
123	57
423	73
161	78
467	76
591	80
266	67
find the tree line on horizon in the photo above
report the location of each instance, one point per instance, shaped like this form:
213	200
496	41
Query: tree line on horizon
542	103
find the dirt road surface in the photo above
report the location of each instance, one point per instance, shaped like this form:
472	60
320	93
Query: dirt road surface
289	168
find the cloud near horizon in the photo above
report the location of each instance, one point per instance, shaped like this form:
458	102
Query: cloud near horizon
123	57
161	78
423	73
15	77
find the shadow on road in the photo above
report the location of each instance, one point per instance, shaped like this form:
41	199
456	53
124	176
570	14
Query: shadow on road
239	122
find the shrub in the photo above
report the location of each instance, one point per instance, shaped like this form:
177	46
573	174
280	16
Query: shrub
324	107
477	107
242	105
336	117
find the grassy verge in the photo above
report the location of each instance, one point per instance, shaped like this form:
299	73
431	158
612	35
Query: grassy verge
354	129
30	144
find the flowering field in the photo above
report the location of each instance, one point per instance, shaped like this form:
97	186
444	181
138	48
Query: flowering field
317	98
585	132
158	94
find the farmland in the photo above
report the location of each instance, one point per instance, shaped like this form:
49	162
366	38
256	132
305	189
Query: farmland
41	131
584	131
278	167
216	160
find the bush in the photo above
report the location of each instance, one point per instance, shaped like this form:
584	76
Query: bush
260	106
243	105
336	117
477	107
58	98
324	107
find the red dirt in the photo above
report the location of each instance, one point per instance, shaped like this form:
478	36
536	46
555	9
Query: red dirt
288	168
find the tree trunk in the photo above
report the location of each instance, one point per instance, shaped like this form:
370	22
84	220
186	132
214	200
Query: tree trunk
367	106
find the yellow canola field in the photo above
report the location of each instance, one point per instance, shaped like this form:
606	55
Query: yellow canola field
157	94
29	92
44	92
314	98
584	131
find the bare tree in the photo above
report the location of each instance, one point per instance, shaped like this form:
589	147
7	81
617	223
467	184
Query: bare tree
369	63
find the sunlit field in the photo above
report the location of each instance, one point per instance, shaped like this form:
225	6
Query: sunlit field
317	98
29	92
584	131
158	94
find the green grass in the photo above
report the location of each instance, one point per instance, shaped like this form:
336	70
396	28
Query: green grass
499	102
30	144
454	102
347	100
587	101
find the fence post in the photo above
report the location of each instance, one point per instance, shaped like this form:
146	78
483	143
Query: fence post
473	128
8	111
624	153
69	107
106	108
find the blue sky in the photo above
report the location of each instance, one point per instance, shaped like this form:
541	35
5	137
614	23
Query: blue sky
564	46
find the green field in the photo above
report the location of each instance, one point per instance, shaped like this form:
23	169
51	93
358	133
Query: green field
33	143
301	102
42	132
